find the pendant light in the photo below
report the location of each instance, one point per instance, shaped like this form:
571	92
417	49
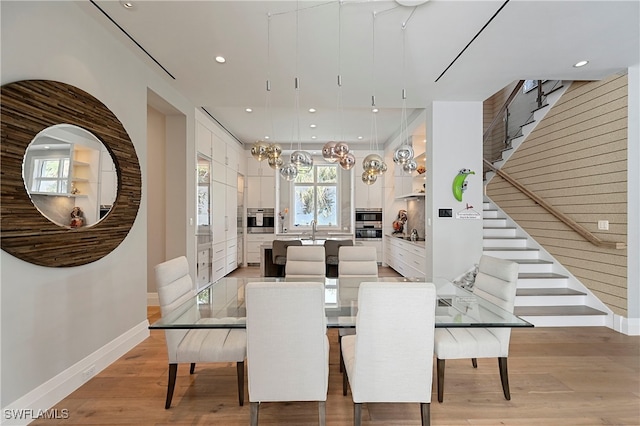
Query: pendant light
403	155
299	160
373	165
260	149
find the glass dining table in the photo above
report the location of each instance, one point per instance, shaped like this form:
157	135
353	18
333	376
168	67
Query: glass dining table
222	305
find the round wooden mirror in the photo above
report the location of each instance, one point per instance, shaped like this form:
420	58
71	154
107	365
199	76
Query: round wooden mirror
29	107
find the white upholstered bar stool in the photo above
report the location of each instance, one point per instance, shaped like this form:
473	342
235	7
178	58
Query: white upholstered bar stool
496	281
305	262
287	345
390	358
175	286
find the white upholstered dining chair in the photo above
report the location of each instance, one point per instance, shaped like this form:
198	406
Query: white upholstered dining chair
305	262
496	281
287	345
175	286
355	261
390	358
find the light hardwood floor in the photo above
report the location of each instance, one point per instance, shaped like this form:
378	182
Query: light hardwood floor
558	376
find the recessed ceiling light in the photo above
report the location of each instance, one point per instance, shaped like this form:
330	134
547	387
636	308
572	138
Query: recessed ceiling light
313	137
312	110
248	110
220	59
266	137
360	137
127	4
375	110
313	126
580	64
47	147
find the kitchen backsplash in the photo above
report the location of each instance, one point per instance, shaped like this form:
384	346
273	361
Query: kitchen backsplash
415	217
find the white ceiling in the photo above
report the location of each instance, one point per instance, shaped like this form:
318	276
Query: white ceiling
525	40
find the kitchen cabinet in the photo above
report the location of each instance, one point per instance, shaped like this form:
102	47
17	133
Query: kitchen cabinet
377	245
261	191
254	241
223	195
408	258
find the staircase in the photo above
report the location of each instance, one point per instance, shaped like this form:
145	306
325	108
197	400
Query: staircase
546	294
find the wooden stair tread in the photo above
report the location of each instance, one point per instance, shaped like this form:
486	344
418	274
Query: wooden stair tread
539	275
510	249
548	292
556	310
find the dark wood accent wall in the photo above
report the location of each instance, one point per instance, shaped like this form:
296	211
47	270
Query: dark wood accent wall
28	107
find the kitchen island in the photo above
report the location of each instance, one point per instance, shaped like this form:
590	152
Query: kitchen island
269	269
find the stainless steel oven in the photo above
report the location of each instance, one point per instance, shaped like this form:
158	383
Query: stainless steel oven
368	224
260	221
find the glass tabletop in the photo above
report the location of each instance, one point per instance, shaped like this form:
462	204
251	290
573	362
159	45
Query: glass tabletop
221	305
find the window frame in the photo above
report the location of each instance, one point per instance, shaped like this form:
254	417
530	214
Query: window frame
315	184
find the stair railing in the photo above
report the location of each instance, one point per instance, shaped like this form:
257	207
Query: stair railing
516	112
584	232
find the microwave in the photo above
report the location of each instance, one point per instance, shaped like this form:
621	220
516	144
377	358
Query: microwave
368	215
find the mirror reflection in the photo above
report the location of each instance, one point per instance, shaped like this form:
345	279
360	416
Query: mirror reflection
70	176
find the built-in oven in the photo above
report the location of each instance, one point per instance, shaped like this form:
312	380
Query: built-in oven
368	224
260	221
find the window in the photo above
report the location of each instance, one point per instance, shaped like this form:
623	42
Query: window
315	195
50	175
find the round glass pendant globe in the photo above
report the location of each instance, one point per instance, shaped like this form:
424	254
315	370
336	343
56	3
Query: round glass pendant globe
274	150
329	152
348	161
373	162
410	166
275	162
403	154
289	172
259	150
302	160
342	149
369	178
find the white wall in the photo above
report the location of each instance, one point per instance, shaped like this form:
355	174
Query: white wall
454	142
156	194
633	203
53	319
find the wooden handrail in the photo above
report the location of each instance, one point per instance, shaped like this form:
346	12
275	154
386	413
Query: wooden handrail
500	113
558	214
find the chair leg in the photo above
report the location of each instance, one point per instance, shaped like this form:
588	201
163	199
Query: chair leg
322	413
192	369
440	363
240	370
474	362
425	412
253	416
504	377
344	382
357	414
340	348
173	371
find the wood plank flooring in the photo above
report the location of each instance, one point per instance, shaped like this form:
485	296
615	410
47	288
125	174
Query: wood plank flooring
558	376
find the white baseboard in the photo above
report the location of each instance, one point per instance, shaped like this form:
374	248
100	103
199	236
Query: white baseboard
628	326
152	299
45	396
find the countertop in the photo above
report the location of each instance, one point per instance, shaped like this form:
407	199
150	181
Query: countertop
420	242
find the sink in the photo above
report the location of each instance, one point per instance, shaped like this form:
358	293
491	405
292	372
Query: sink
409	238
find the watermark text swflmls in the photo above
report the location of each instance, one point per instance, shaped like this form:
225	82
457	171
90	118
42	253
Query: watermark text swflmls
31	414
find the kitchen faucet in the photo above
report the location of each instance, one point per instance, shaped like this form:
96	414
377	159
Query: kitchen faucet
313	230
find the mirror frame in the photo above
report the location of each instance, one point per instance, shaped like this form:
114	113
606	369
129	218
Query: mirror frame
28	107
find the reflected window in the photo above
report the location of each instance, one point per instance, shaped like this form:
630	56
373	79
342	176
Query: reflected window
50	175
